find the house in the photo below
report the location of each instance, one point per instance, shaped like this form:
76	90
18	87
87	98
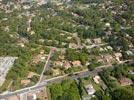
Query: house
97	40
21	44
76	63
118	56
75	14
108	33
31	74
6	29
88	41
15	97
67	64
39	58
86	97
73	45
56	72
25	82
107	24
58	63
90	89
96	79
62	57
129	53
101	49
107	58
131	72
41	40
23	97
125	81
109	48
42	51
31	96
130	45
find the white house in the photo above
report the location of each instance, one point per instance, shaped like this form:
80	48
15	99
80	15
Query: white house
90	89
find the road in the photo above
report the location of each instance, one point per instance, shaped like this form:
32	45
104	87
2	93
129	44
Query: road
46	65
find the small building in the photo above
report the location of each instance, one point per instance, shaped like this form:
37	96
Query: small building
21	44
96	79
118	56
61	57
131	72
25	82
125	81
73	45
31	74
108	33
58	63
76	63
56	72
129	53
109	48
108	58
42	51
12	98
88	41
86	97
39	58
107	24
97	41
67	64
101	49
31	96
90	89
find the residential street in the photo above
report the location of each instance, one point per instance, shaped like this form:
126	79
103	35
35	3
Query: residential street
46	65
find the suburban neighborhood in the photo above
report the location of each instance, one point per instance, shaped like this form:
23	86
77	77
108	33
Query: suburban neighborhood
66	50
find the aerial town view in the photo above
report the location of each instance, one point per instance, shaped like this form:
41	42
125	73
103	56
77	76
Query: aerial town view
66	49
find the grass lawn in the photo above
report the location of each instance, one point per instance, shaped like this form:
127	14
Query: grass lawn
48	93
5	85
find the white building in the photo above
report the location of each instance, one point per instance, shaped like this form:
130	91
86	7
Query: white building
90	89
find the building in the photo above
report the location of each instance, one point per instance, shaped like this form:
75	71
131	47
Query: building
12	98
58	63
118	56
129	53
67	65
25	82
97	41
31	74
73	46
125	81
31	96
90	89
108	58
109	48
96	79
76	63
131	72
56	72
86	97
107	25
39	58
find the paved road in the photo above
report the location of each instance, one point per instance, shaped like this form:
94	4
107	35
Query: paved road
46	65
